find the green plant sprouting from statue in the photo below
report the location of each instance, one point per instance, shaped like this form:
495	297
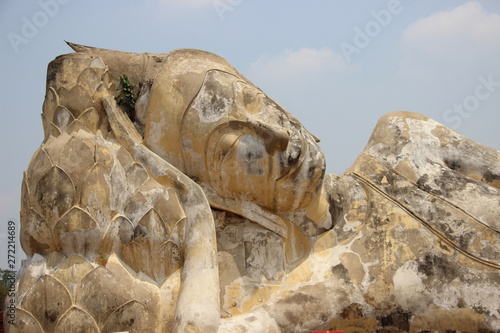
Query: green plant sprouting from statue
125	97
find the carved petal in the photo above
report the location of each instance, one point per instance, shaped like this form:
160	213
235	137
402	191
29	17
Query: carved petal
97	64
77	159
136	175
47	302
119	190
61	91
53	130
106	79
133	317
100	93
50	104
78	233
53	147
33	272
120	231
156	232
96	196
54	195
25	323
25	205
124	157
168	259
72	271
170	209
62	118
46	128
54	259
76	100
136	207
100	294
27	280
137	256
39	165
148	235
76	126
89	80
76	320
90	119
37	236
104	157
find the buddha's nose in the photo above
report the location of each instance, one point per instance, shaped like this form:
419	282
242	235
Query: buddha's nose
274	138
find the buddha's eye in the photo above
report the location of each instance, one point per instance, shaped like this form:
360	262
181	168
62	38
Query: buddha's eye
250	148
250	152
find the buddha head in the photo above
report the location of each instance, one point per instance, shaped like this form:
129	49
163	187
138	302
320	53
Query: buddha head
214	125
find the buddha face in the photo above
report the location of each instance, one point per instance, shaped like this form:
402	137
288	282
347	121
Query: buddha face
252	148
218	128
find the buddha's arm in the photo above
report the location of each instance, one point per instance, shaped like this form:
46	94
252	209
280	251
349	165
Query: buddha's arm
198	303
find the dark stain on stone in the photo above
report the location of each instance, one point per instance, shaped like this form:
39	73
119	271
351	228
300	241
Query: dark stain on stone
140	231
398	319
51	315
481	309
125	232
341	272
448	182
158	59
300	299
422	184
290	316
461	303
438	266
453	165
54	68
490	177
352	311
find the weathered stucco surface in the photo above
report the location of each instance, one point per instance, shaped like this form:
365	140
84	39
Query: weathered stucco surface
207	209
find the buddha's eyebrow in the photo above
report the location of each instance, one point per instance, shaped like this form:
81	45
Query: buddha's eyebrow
274	139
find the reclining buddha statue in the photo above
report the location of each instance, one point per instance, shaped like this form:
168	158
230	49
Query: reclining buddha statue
170	194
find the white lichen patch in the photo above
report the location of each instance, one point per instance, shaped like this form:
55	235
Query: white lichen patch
210	103
409	287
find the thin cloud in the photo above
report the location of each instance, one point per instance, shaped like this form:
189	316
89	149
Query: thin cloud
468	27
458	37
290	63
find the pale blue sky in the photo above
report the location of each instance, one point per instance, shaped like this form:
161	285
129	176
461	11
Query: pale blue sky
337	65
